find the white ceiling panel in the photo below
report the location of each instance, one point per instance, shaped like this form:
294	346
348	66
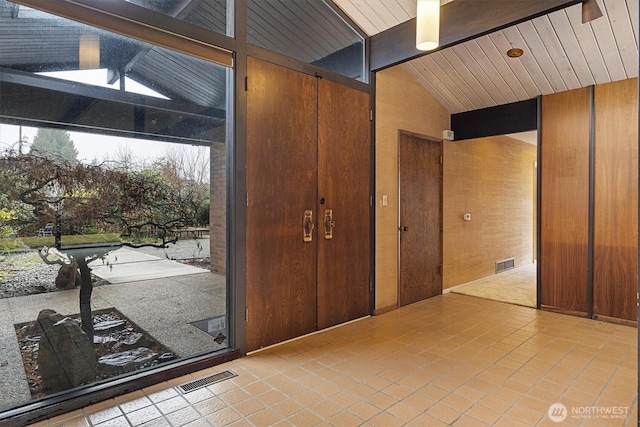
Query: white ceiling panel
554	51
423	73
446	75
624	36
468	80
535	48
560	53
500	41
485	82
459	75
375	16
632	7
571	47
530	137
603	31
589	46
508	79
480	51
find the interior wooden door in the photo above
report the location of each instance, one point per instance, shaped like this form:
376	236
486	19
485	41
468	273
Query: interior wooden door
420	176
282	184
344	203
564	203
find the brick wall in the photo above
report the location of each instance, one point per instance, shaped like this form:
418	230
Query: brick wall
217	213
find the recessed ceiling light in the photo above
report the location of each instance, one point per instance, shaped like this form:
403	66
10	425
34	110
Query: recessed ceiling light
515	52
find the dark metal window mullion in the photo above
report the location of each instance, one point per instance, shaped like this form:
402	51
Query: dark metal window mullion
590	239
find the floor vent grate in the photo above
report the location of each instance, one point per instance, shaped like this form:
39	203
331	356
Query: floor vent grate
505	264
203	382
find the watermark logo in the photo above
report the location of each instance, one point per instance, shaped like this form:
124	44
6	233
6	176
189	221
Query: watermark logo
557	412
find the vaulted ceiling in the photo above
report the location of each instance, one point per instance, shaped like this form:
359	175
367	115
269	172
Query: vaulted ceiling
560	53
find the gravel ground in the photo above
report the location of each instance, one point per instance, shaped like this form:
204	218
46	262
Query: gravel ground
26	274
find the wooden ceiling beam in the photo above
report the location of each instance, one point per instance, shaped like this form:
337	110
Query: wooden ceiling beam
134	21
114	97
460	20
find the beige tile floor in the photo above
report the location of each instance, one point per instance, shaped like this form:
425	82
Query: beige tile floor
450	360
517	286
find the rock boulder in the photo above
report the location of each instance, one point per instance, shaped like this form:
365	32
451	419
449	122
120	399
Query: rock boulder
68	277
66	358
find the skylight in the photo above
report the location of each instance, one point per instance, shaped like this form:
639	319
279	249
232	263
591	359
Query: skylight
98	77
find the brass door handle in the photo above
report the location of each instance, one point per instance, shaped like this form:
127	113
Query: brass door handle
307	226
329	223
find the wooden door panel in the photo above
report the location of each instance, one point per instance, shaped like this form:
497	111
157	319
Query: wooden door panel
281	184
615	244
564	209
344	183
420	219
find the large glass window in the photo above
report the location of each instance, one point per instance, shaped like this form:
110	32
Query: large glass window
112	205
308	30
209	14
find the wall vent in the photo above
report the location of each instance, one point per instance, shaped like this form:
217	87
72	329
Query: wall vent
505	264
203	382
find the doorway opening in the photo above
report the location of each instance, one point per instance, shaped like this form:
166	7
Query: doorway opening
491	218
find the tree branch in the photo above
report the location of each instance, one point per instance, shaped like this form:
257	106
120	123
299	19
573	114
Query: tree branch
163	245
59	259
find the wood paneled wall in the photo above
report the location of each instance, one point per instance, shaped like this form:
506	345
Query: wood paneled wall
493	179
401	104
564	165
615	246
589	252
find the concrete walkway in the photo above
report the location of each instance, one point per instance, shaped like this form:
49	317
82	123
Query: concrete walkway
131	265
182	249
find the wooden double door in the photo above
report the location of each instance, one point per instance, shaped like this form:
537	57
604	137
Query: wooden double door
308	204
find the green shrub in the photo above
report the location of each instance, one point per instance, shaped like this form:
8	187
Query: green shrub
10	244
6	216
13	243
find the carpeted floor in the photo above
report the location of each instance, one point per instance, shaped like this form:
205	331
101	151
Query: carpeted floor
517	286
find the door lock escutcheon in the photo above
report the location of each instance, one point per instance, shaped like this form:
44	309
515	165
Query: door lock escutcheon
329	223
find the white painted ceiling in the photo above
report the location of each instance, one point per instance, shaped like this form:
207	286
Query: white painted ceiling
530	137
560	53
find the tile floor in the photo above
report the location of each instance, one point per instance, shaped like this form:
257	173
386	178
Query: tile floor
517	286
450	360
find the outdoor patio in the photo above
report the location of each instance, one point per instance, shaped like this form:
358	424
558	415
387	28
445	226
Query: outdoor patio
161	296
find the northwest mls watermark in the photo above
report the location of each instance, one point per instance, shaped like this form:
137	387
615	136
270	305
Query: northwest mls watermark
558	412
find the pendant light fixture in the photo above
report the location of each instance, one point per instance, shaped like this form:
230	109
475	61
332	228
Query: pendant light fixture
89	51
428	24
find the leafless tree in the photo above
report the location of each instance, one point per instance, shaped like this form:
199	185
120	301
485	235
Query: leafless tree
190	163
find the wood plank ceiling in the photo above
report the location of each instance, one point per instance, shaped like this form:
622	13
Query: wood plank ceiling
560	53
